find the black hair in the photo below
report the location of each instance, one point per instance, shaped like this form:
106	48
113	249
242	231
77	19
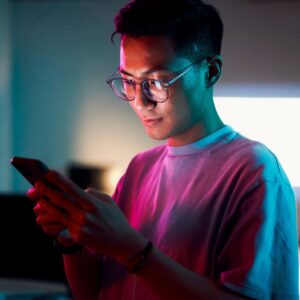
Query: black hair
193	26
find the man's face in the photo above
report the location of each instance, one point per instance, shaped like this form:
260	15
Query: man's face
180	118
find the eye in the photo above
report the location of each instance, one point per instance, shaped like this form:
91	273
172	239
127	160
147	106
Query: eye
152	81
155	84
125	77
128	81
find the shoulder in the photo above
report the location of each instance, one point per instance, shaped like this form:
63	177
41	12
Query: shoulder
145	161
266	159
149	156
142	164
255	156
245	164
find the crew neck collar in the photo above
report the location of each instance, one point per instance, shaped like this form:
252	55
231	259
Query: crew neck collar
200	144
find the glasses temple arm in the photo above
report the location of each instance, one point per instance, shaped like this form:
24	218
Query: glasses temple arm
112	77
177	77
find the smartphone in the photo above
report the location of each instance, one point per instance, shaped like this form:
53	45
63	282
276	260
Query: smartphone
32	169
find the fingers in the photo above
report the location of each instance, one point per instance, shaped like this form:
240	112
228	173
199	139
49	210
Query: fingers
86	214
33	194
58	225
49	225
70	188
103	197
55	221
59	199
48	213
38	209
52	229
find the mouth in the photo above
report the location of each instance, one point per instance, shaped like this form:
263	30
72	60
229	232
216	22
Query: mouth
151	122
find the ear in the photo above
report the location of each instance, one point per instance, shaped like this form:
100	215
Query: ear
214	70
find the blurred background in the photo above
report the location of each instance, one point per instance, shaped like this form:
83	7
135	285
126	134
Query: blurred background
55	56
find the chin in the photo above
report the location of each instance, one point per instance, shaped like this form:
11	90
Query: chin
157	136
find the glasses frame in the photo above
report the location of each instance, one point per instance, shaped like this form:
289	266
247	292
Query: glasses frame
165	84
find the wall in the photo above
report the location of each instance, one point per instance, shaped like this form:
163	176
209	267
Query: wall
63	109
5	97
261	48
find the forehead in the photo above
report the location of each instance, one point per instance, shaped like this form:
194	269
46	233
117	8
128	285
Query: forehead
146	52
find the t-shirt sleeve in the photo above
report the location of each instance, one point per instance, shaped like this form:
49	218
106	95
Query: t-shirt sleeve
259	258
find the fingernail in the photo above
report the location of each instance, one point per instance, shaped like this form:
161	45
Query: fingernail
30	191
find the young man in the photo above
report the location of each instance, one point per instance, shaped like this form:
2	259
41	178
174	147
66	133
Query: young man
218	208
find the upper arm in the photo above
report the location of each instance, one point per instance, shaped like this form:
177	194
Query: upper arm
260	258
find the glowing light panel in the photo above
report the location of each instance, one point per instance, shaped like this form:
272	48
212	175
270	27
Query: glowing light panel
272	121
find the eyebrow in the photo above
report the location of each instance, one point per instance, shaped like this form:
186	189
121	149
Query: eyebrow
150	71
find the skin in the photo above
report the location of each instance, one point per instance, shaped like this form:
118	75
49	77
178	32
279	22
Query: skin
94	220
189	113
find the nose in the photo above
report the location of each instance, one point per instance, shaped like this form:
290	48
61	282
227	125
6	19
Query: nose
141	101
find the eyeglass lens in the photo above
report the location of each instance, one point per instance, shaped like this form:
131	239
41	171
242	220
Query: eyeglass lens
153	89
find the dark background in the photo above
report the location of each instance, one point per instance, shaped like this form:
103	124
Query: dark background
25	251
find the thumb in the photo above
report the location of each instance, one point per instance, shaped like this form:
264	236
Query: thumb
101	196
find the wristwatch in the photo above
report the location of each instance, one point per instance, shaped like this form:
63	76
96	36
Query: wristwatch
136	262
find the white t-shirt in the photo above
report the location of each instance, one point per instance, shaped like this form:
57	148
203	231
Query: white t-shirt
222	207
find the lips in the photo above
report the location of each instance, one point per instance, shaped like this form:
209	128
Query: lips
151	122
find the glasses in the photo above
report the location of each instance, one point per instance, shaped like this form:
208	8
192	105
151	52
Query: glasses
155	90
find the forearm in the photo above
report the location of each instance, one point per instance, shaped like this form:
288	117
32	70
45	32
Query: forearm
170	280
83	274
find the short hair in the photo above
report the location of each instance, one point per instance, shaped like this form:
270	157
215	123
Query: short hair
193	26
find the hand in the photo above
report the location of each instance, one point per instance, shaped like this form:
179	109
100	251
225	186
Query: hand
43	212
92	218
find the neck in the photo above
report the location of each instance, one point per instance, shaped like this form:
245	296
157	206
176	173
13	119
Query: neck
209	123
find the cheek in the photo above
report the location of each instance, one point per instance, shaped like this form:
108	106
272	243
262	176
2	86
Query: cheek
178	113
179	102
190	102
133	107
